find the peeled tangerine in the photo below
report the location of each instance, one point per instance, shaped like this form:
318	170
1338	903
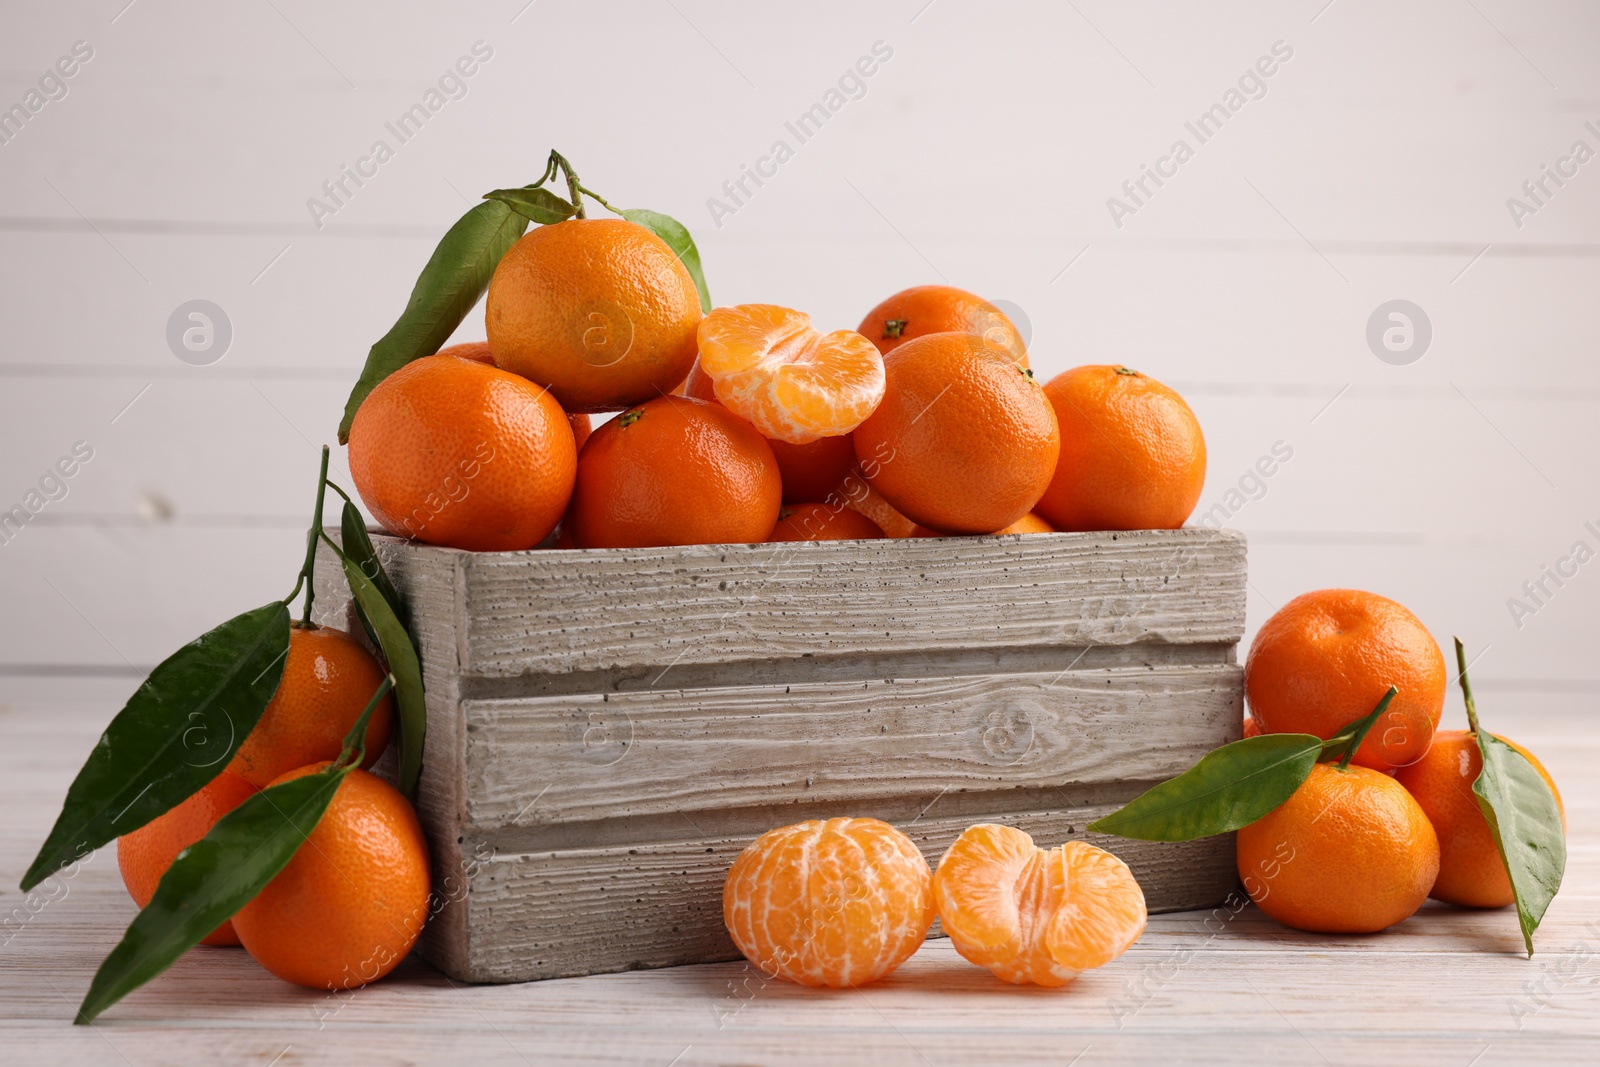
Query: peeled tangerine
1032	916
837	903
771	366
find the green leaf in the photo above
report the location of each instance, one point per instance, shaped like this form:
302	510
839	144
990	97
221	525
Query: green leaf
1228	789
1523	815
358	546
211	880
401	653
455	277
676	234
538	205
175	734
1525	819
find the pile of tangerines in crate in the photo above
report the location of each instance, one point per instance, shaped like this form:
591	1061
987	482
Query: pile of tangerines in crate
748	424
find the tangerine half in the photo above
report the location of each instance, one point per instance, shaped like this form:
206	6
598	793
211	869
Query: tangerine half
1033	916
771	366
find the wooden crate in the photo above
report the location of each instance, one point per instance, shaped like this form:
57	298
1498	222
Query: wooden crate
607	729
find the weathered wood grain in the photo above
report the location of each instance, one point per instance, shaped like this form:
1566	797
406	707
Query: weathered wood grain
550	613
577	759
585	911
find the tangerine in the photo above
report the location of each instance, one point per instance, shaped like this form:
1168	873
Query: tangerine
674	471
1028	524
1471	871
836	903
1132	455
962	442
1350	852
854	492
143	855
352	901
925	309
1033	916
453	452
823	522
1324	660
328	677
809	471
599	311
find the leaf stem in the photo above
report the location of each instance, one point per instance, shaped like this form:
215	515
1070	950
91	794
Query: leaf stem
549	172
1466	686
1366	726
354	752
309	568
335	487
599	199
574	189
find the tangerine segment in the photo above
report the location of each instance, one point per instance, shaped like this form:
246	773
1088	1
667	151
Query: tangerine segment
1033	916
837	903
771	366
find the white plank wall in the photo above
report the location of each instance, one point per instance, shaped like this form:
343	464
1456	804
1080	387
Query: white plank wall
1376	166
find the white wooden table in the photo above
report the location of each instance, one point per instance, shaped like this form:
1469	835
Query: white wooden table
1447	987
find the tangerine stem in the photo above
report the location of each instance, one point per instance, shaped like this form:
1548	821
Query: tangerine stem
309	568
574	189
1466	686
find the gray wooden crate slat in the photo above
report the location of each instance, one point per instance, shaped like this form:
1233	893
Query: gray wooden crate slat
583	758
558	612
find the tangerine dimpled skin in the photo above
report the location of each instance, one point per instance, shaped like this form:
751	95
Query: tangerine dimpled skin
328	677
350	904
1326	658
1132	454
674	471
836	903
454	452
143	855
963	441
1034	916
1351	852
599	311
1471	872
